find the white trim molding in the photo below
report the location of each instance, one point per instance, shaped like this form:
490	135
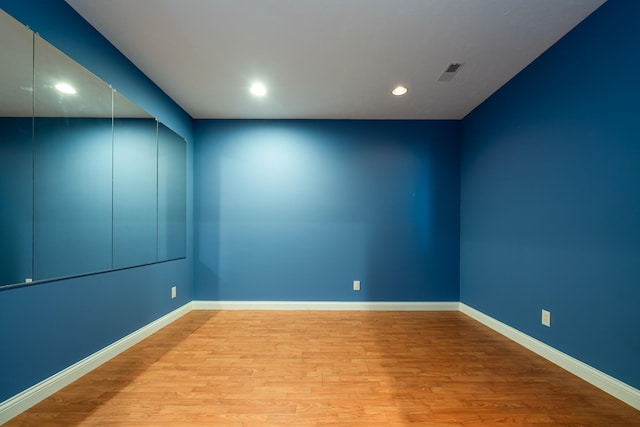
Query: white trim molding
24	400
326	305
35	394
607	383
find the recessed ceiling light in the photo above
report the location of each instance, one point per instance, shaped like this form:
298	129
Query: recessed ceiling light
65	88
399	90
258	89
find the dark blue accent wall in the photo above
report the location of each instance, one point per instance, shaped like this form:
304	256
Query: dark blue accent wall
47	327
550	196
297	210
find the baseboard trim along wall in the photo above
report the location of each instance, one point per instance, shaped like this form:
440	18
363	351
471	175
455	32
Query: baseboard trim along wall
607	383
326	305
37	393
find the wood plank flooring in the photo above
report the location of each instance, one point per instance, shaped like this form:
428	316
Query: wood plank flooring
322	369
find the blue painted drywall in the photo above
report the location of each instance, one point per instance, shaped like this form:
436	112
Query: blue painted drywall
297	210
47	327
550	196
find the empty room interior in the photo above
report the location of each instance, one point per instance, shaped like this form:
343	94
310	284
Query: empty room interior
320	213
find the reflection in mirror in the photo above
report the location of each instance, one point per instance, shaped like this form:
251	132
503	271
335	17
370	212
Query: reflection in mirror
72	167
135	183
172	197
16	186
89	182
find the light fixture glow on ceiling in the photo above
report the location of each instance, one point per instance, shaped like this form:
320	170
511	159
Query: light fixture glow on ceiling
65	88
399	90
258	89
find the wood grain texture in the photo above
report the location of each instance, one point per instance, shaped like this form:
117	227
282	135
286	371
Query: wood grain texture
322	369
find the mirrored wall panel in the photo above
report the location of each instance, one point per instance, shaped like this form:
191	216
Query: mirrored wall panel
16	173
72	167
89	181
172	198
135	184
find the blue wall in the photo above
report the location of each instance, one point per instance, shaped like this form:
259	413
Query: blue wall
47	327
542	213
297	210
550	196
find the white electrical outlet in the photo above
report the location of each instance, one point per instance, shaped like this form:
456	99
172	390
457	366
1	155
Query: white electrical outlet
173	292
28	280
356	285
546	318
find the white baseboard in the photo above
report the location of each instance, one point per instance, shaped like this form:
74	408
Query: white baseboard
326	305
605	382
37	393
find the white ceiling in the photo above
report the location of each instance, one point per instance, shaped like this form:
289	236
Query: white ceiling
336	59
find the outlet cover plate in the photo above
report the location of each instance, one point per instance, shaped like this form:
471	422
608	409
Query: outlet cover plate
546	318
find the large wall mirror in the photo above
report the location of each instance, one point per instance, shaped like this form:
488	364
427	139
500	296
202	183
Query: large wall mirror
89	181
16	163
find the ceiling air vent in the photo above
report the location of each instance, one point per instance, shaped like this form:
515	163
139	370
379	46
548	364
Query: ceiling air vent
451	70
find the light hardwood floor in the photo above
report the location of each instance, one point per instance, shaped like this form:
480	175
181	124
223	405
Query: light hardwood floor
311	368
